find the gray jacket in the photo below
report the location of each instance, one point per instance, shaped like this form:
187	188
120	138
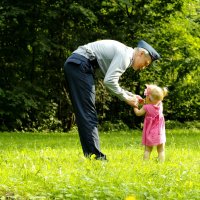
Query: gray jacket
113	58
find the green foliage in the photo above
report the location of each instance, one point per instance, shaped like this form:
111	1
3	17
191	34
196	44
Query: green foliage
51	166
37	36
113	126
26	109
170	124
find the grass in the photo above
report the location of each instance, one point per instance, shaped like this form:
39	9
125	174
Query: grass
51	166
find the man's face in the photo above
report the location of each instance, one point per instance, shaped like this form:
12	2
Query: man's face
141	61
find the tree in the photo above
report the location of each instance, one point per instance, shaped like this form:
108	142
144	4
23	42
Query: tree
37	37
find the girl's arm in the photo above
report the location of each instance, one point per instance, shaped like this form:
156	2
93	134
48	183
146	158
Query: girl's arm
139	112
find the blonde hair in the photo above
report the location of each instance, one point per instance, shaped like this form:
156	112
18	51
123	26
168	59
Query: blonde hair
157	93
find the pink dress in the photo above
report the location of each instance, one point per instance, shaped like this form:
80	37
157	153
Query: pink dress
154	125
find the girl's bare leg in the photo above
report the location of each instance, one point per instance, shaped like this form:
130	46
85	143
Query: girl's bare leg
161	152
147	152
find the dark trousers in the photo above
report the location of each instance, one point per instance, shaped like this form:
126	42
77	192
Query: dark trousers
79	75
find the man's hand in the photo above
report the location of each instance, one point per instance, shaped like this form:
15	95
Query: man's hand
132	103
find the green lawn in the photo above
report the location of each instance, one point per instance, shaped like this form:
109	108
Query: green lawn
51	166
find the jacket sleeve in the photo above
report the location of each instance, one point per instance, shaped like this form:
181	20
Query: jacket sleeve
117	67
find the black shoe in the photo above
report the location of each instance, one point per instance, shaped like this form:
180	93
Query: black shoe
102	158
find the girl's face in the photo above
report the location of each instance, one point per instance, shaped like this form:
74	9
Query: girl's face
141	61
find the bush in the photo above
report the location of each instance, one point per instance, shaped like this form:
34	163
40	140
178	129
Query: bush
171	124
113	126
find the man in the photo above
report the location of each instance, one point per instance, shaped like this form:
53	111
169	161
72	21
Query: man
112	58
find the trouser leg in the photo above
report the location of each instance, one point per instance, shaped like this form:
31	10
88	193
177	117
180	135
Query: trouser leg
81	87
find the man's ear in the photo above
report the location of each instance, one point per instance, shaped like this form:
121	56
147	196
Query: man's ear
141	53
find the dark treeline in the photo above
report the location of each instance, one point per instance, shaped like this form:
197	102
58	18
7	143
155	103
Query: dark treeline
37	36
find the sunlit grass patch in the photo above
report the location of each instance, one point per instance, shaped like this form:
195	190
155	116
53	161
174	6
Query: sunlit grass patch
51	166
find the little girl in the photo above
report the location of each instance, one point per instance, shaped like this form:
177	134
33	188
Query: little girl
154	122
